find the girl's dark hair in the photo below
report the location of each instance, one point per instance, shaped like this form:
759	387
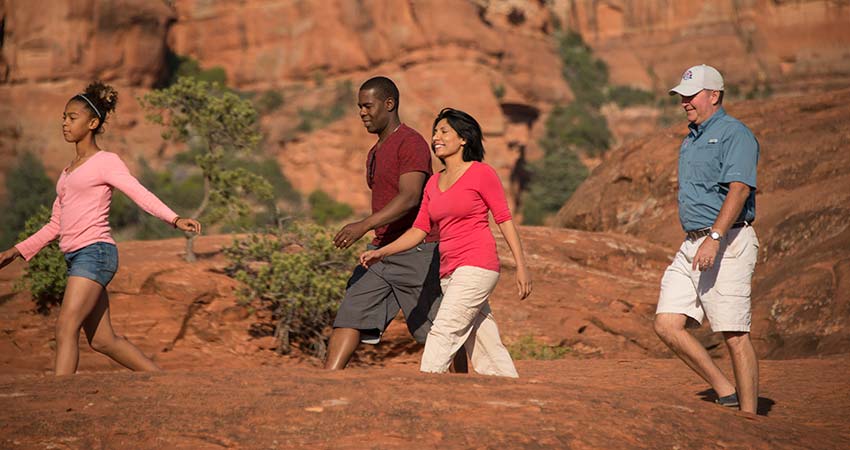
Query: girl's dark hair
100	99
467	128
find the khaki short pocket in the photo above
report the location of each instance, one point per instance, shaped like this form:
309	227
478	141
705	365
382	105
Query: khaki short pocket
733	289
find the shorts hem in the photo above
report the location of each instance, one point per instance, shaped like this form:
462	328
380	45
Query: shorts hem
731	328
90	276
691	322
699	321
368	335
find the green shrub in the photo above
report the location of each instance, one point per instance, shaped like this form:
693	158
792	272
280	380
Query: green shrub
586	75
269	101
179	66
324	209
46	275
572	130
499	91
299	277
558	174
314	119
625	96
576	126
555	178
269	169
217	124
27	189
760	90
309	120
529	348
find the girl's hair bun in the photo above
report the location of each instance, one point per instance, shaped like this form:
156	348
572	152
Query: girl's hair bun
104	96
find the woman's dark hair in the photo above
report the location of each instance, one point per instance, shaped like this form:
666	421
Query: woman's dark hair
467	128
100	99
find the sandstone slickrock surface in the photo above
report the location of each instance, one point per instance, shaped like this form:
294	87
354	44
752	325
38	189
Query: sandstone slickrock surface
223	388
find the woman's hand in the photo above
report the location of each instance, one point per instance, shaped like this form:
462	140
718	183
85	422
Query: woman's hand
370	257
523	282
8	256
189	225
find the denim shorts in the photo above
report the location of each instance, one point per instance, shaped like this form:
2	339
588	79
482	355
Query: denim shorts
97	262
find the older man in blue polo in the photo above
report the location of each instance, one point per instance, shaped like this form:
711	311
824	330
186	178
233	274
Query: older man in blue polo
711	274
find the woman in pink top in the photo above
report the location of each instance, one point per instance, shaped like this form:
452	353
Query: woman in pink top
458	200
80	222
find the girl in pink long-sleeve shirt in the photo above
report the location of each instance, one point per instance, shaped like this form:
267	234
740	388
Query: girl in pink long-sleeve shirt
458	200
80	221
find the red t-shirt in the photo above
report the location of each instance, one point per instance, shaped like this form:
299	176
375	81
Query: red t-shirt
405	150
461	213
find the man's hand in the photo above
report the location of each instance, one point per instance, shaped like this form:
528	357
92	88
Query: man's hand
706	254
8	256
350	234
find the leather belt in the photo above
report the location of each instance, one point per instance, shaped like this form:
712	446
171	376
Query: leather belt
696	234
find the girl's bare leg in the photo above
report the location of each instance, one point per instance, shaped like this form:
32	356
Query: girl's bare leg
86	304
102	338
80	298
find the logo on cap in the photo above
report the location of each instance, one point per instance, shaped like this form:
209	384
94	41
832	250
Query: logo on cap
688	75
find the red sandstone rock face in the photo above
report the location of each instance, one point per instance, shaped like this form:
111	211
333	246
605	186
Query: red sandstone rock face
51	50
800	296
649	43
122	39
441	53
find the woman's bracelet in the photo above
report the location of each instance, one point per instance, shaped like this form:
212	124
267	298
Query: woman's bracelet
174	222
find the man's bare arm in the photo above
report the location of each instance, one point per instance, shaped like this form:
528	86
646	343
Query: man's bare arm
410	186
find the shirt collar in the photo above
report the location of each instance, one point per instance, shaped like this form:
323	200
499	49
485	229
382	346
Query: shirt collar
696	130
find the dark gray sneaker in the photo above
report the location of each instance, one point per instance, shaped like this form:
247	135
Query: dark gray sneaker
730	400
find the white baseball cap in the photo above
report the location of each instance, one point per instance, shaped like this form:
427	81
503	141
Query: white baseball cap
698	78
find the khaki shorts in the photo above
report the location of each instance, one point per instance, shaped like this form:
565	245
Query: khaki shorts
722	293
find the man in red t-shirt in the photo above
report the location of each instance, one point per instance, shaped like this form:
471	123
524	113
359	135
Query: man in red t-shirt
396	170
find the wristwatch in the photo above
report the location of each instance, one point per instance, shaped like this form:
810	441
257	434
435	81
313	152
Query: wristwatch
715	235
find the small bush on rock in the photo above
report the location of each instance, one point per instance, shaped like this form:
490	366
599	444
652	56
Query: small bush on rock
299	277
46	275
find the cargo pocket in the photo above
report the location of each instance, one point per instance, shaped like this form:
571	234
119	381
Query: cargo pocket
734	289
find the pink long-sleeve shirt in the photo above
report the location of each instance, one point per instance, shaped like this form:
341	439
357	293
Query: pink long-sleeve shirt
81	210
461	213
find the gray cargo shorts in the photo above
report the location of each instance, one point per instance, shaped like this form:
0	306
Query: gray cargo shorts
407	281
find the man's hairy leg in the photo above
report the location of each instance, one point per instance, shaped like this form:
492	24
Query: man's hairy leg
746	367
671	329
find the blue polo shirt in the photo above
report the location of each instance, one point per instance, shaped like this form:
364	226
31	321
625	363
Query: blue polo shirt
715	153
